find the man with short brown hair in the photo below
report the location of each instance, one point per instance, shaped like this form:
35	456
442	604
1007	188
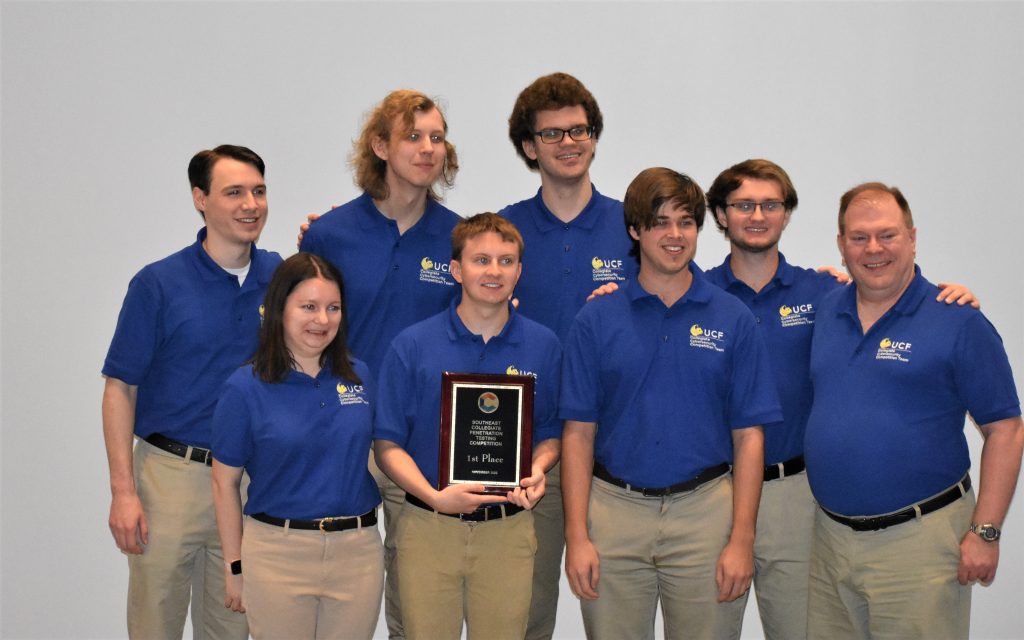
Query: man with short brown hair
894	373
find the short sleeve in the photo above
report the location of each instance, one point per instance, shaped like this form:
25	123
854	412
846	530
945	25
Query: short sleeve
396	393
547	424
580	388
983	376
231	441
312	240
138	332
753	398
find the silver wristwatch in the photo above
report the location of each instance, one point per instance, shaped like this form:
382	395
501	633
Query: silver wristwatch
987	532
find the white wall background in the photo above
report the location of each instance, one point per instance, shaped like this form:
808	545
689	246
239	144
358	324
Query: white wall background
103	103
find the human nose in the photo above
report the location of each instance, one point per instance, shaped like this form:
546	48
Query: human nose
873	245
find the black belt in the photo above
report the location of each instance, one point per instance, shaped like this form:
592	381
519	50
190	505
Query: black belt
778	470
874	523
180	449
482	514
341	523
704	476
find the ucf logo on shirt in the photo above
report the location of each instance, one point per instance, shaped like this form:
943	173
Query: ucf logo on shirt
513	370
435	271
895	350
796	315
351	394
702	338
607	270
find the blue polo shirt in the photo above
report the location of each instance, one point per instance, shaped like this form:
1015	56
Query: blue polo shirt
666	385
185	326
409	409
784	311
303	442
564	262
887	426
391	281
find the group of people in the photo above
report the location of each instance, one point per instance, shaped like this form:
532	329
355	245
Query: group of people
694	432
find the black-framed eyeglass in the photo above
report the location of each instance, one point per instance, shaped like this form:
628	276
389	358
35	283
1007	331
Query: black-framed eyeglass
555	135
748	206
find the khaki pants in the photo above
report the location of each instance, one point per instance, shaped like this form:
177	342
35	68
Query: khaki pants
782	554
549	525
660	549
898	583
394	499
177	499
451	570
308	584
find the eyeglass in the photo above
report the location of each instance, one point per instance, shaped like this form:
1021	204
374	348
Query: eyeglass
748	206
554	135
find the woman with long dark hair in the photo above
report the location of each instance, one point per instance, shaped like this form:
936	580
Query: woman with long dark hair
298	420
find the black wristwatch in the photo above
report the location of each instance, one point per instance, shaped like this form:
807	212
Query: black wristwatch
987	532
236	568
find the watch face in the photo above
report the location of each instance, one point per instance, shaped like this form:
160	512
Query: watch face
987	532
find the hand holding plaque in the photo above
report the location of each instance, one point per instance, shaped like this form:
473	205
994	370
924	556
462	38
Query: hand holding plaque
486	430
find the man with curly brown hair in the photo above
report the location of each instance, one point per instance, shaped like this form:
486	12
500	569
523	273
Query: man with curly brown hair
576	243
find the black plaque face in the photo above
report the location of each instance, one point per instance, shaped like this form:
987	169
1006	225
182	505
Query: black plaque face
486	430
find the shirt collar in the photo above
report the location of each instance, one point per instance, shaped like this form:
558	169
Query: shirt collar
784	273
907	304
372	219
699	292
512	332
294	376
210	270
586	219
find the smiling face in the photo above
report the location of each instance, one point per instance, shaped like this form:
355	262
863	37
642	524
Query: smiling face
756	231
312	315
488	269
415	158
235	209
670	244
878	247
568	160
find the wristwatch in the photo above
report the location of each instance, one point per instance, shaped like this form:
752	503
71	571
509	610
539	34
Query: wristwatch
236	567
987	532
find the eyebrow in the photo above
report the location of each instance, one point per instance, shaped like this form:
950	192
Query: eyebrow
686	216
242	186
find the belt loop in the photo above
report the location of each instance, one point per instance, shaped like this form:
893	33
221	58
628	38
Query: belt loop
188	455
960	486
628	488
359	522
503	514
917	511
782	470
287	526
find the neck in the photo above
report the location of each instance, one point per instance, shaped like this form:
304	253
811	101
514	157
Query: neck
228	255
669	287
754	269
485	321
309	365
871	307
404	206
566	199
